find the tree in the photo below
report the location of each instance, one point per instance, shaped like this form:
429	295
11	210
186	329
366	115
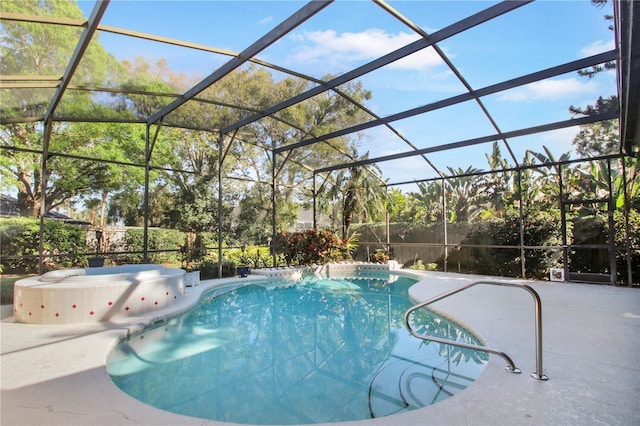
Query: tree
499	189
37	49
319	115
193	180
360	193
34	49
69	178
464	194
400	206
547	179
603	137
427	202
607	65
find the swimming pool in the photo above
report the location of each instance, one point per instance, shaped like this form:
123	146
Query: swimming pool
315	351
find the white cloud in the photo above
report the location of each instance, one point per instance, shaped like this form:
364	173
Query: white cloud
550	90
566	135
424	59
404	170
265	21
344	48
597	47
559	141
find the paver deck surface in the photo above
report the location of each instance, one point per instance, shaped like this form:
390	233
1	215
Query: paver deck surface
55	375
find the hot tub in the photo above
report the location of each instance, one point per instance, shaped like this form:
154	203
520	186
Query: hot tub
96	294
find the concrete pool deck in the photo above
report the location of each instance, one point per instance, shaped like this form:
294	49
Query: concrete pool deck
55	374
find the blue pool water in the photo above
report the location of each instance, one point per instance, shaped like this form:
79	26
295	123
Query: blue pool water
322	350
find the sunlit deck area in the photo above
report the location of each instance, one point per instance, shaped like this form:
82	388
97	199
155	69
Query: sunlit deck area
55	374
222	135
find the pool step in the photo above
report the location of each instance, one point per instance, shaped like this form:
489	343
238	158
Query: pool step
404	385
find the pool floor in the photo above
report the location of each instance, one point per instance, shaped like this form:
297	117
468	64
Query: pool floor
323	350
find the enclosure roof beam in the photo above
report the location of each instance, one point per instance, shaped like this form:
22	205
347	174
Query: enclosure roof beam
489	90
267	40
628	69
483	139
85	39
11	82
456	28
166	40
508	169
396	14
42	19
52	20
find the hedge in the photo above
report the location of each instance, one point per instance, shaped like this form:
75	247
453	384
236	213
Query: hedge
21	237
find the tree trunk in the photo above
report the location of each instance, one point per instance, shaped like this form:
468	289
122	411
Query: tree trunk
103	208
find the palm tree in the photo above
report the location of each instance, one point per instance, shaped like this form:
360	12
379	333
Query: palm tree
500	189
360	193
428	201
464	194
549	178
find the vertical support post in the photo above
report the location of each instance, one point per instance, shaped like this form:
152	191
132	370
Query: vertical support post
220	163
626	222
563	224
274	238
147	157
612	240
386	218
315	220
444	223
521	213
43	191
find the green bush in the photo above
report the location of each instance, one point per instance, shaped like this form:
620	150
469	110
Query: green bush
634	242
593	229
590	230
254	256
540	229
418	266
313	246
379	256
21	237
164	246
209	269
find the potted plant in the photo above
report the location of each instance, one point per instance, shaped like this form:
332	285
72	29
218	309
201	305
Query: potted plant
98	260
191	270
243	271
243	268
380	256
192	275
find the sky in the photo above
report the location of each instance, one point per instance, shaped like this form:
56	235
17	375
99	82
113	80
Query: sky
348	34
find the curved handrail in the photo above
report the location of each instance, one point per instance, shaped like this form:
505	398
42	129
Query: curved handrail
511	367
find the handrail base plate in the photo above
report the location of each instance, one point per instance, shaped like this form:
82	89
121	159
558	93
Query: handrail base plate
539	376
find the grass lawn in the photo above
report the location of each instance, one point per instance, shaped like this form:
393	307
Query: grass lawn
6	287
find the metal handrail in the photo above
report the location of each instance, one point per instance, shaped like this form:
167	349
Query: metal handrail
538	375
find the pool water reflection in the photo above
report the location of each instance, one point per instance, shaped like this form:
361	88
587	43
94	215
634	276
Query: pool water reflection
323	350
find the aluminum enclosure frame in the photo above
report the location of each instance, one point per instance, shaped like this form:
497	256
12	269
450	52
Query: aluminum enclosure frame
626	20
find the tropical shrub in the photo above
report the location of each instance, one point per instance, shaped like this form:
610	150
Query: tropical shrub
379	256
313	246
418	265
634	243
255	256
